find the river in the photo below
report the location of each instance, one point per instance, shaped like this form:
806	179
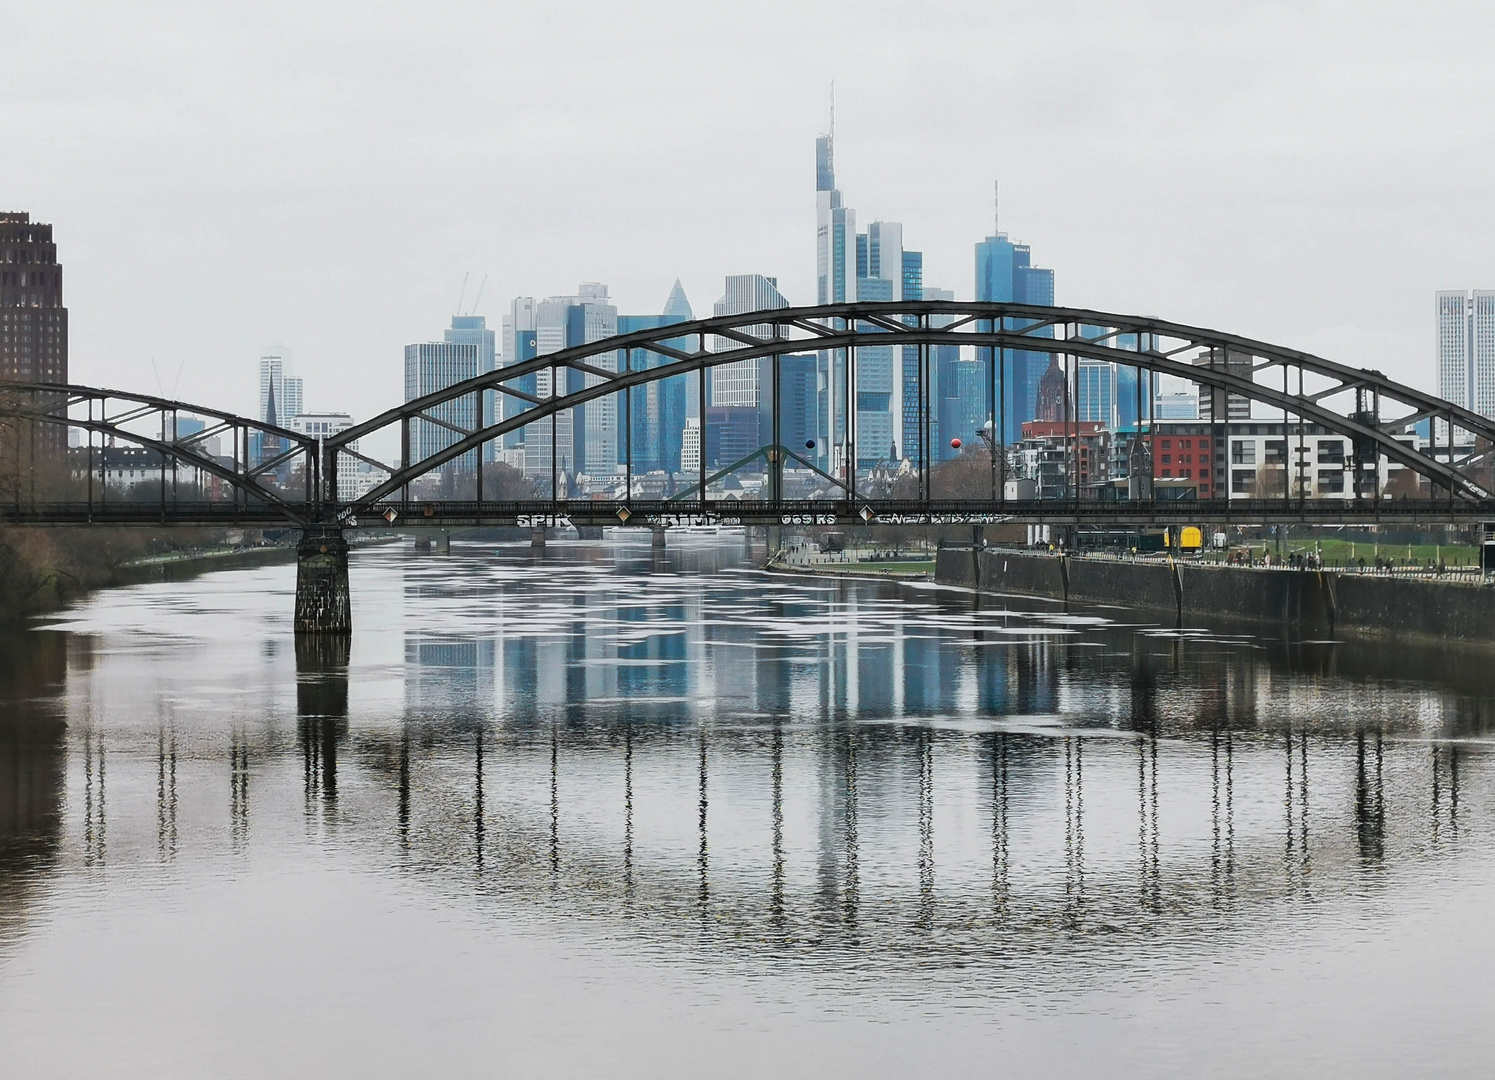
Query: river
600	812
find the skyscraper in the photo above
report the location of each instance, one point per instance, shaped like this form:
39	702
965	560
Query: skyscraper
740	384
887	376
1005	274
33	322
518	346
1466	349
586	437
835	262
473	330
432	366
656	414
287	389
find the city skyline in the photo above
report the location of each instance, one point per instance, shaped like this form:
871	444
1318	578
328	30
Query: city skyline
337	208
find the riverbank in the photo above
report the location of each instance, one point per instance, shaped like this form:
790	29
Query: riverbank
42	571
1308	603
178	566
848	564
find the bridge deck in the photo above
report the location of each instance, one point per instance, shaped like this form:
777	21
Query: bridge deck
848	514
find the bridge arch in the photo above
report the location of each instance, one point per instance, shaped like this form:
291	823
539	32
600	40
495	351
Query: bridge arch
131	418
1158	347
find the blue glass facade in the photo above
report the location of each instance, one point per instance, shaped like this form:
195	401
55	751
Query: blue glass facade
1005	274
655	417
911	440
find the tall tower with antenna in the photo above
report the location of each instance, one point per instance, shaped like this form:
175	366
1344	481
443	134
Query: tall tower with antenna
835	283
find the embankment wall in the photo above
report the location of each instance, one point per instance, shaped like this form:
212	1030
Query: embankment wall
1311	603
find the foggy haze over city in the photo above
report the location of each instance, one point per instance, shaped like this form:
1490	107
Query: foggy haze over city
323	179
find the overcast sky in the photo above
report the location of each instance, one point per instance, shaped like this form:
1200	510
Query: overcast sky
322	175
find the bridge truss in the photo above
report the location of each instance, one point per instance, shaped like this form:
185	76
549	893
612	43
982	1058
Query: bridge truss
231	470
442	435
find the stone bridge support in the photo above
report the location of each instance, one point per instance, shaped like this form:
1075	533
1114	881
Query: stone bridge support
322	602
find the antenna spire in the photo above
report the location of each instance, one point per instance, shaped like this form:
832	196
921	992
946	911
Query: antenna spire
833	112
996	206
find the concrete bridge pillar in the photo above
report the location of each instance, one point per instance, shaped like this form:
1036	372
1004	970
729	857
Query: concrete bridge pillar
322	601
659	539
537	538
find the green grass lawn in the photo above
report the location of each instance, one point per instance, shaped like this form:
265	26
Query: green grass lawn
1340	552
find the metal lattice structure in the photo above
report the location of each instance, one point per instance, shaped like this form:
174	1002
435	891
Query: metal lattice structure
278	475
1377	413
269	474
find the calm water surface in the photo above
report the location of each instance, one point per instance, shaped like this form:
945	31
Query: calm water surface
594	814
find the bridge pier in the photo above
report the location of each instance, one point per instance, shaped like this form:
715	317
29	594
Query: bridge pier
322	601
659	539
537	538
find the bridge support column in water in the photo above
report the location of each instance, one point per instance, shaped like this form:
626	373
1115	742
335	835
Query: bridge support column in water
322	601
659	539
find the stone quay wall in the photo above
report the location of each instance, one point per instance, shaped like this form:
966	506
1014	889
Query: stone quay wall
1311	603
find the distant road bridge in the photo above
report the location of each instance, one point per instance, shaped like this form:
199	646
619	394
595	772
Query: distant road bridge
274	476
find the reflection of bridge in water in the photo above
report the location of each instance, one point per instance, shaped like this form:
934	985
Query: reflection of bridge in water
853	784
276	476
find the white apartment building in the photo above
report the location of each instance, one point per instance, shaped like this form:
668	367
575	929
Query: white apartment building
355	478
1319	463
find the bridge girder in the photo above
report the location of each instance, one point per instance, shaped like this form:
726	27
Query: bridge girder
117	415
1014	327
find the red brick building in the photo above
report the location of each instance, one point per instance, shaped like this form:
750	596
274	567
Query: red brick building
1185	457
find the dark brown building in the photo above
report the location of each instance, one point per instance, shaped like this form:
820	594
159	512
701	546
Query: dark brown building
33	322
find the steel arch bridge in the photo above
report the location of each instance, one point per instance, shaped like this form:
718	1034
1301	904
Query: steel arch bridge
277	476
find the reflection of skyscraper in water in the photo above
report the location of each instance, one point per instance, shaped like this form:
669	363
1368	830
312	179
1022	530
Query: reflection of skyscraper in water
654	662
444	672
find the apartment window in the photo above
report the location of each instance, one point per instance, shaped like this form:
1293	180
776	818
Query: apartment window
1242	452
1331	452
1331	483
1242	481
1167	458
1276	452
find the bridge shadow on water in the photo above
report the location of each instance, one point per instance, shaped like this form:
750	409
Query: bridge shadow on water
709	756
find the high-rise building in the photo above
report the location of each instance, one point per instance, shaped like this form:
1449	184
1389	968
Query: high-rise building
741	384
835	263
1005	274
473	330
886	375
518	346
33	322
432	366
1466	349
656	411
945	422
1213	402
1095	392
286	389
586	436
962	400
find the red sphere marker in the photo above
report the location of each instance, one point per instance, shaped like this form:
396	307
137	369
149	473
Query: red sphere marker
955	444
